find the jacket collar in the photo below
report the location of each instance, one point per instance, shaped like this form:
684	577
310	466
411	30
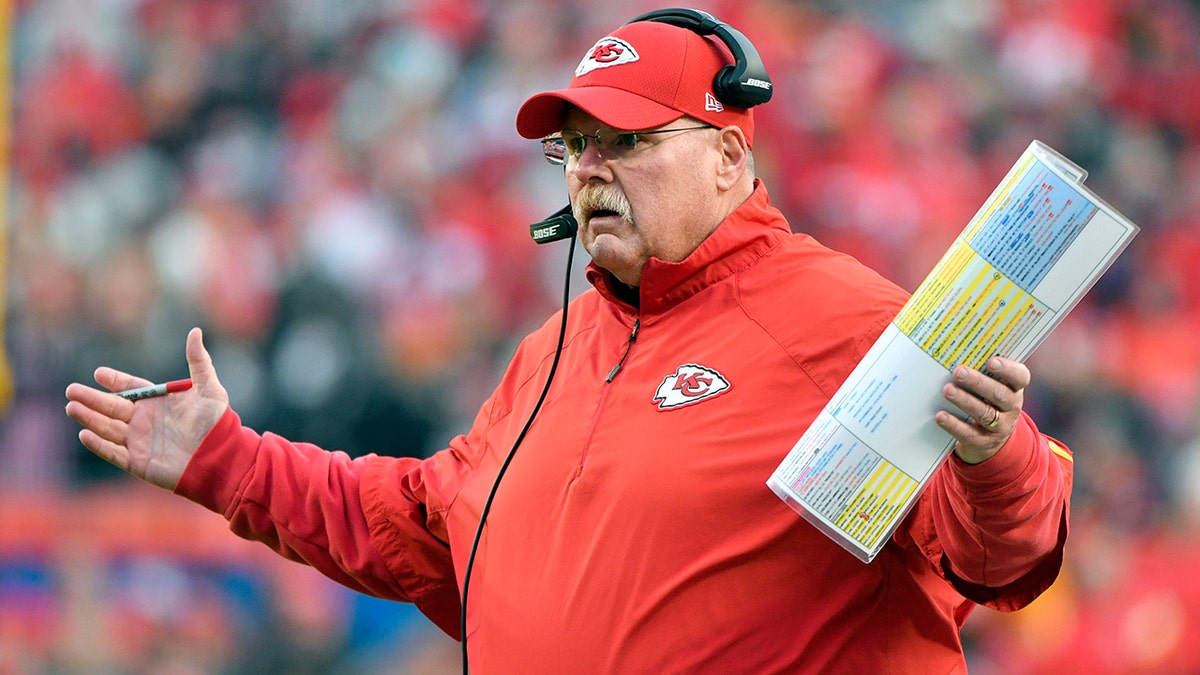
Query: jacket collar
746	235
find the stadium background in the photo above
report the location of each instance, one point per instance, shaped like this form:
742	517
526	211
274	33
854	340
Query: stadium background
335	192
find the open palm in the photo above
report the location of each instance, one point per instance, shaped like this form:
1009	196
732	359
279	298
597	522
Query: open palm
152	439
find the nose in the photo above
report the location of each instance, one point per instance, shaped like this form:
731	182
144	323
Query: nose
592	165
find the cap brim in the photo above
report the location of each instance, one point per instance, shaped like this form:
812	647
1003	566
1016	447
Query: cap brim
545	113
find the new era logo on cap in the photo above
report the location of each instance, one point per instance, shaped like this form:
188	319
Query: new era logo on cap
608	51
712	104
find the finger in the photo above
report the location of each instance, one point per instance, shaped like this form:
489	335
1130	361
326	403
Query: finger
981	411
102	402
115	380
962	430
98	423
113	453
990	419
1013	373
972	444
985	389
967	432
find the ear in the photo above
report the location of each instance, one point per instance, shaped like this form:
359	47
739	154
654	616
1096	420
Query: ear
735	158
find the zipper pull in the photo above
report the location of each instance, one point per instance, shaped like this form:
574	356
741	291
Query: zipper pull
637	324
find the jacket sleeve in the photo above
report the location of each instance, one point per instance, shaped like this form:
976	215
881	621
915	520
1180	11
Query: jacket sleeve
996	530
315	506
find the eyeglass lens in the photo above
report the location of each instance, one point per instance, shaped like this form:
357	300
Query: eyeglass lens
572	144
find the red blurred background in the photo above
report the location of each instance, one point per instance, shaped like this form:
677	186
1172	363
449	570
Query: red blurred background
336	193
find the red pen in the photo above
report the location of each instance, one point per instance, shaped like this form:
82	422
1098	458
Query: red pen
156	390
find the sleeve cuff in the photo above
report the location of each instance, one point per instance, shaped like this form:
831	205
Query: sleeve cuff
1015	460
216	472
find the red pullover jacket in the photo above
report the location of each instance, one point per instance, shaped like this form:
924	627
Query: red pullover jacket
634	531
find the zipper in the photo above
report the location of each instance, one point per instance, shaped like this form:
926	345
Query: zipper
637	324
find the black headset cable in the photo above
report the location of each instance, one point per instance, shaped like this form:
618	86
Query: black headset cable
487	505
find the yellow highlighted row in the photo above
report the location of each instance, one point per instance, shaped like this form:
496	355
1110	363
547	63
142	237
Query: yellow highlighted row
964	324
868	515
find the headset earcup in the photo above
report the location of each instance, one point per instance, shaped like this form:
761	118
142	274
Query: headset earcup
727	88
728	85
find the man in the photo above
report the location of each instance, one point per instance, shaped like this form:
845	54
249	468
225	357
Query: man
633	531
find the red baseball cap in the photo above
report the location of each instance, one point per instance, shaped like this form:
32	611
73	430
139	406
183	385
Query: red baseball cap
642	76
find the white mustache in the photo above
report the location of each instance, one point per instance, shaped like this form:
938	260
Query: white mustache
601	198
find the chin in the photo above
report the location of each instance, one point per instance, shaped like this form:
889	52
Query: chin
604	257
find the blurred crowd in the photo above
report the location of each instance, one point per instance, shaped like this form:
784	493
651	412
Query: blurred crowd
335	192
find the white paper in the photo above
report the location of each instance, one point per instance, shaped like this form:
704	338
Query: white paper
1035	247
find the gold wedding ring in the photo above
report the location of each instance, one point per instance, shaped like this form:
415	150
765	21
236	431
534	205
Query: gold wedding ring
991	426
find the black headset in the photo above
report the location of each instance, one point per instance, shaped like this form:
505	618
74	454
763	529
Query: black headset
745	83
742	84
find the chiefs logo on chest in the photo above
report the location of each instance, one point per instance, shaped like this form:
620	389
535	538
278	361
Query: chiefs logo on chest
688	385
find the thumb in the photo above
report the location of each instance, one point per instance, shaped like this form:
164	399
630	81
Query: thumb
200	365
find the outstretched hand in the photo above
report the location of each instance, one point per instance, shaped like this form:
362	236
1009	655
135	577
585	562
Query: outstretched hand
152	438
992	404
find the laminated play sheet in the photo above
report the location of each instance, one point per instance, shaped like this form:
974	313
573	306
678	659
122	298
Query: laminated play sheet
1035	247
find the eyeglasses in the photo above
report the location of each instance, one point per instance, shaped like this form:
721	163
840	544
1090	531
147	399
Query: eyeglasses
571	144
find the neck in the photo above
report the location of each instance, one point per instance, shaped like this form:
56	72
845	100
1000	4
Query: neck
625	292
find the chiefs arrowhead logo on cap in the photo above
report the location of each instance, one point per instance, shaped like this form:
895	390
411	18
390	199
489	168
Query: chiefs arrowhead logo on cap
690	384
608	51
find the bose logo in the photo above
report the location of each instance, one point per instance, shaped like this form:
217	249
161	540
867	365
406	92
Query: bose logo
544	232
755	82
